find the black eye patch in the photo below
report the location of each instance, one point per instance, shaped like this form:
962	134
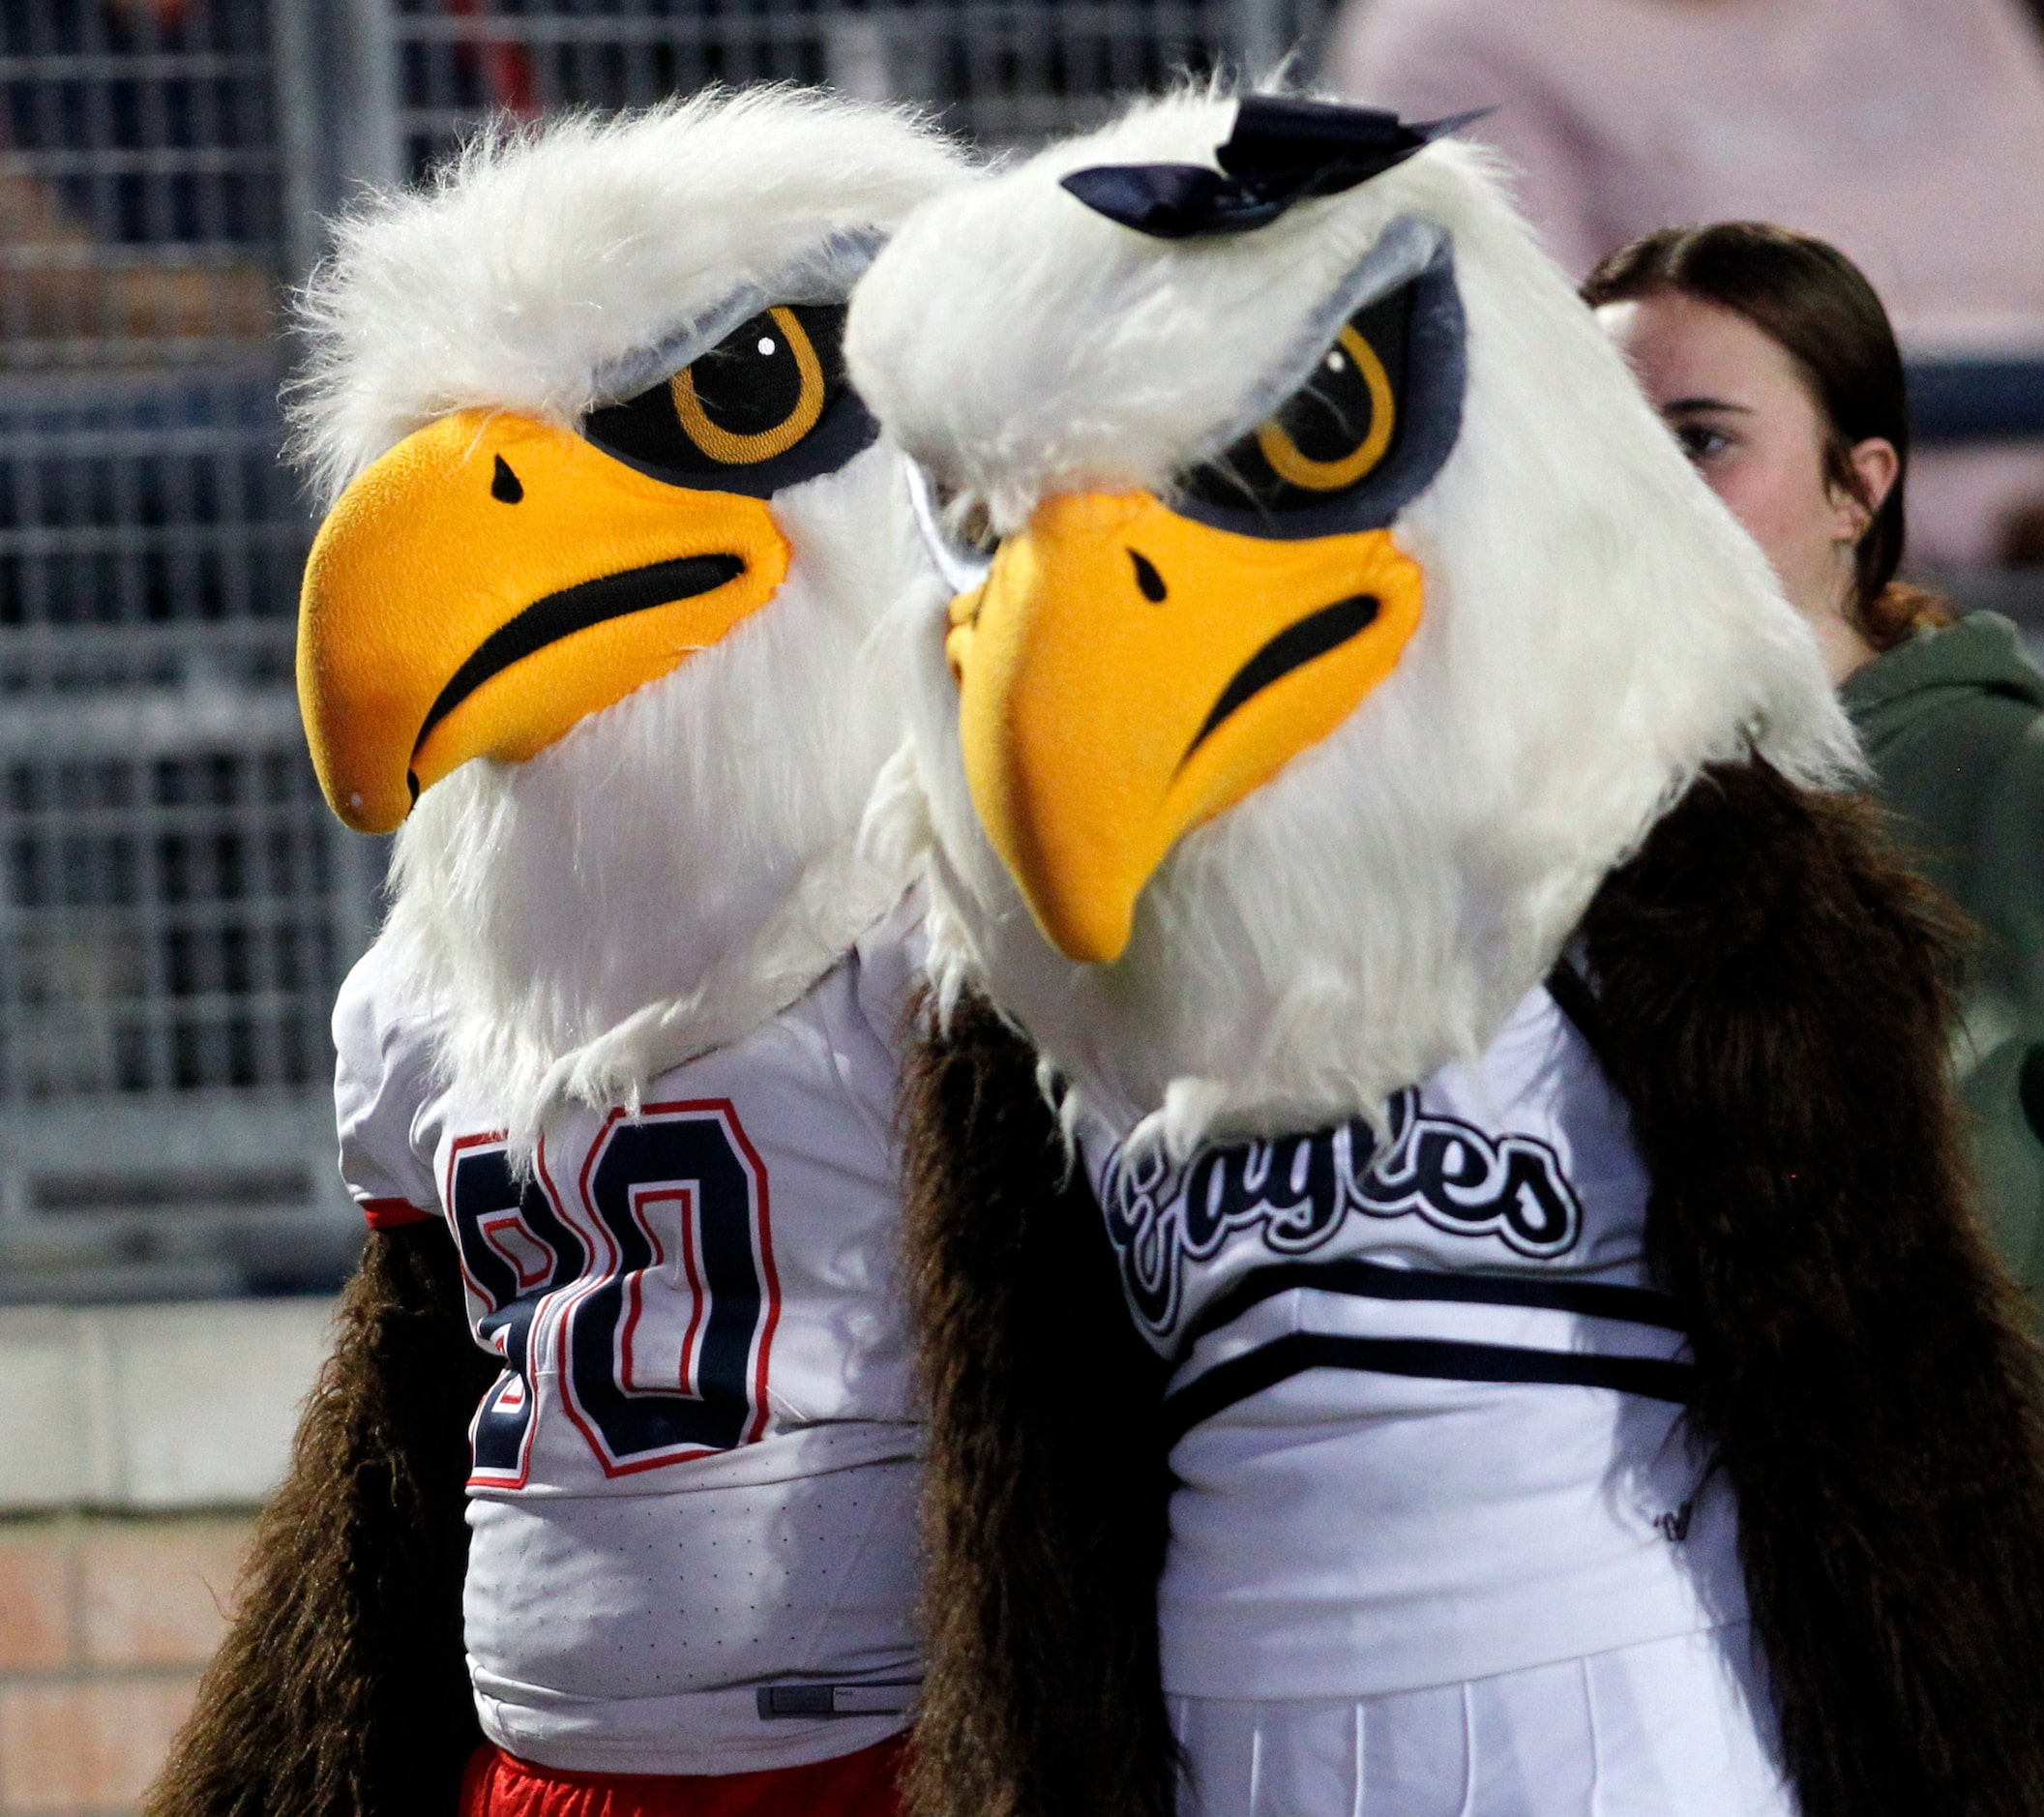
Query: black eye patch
1331	434
766	408
1360	437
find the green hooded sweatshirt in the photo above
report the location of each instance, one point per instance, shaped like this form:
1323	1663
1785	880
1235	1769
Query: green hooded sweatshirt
1954	721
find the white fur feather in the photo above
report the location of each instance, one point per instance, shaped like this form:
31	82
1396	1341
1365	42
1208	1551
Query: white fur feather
1596	630
542	262
682	865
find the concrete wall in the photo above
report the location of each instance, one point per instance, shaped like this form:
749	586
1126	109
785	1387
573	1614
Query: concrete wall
136	1442
137	1408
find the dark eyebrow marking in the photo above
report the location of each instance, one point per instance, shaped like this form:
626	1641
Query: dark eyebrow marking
1705	403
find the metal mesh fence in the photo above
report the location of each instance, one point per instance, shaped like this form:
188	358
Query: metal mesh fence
137	182
176	908
1000	69
163	940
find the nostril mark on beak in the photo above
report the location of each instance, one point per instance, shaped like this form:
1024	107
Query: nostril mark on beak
1147	578
505	485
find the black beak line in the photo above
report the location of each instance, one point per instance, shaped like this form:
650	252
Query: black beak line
576	608
1298	644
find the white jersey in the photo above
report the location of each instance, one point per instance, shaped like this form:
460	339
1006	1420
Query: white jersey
693	1496
1427	1414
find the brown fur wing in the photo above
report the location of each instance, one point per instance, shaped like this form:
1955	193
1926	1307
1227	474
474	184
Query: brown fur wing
1045	1514
342	1688
1773	1010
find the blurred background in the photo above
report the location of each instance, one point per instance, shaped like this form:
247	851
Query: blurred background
176	908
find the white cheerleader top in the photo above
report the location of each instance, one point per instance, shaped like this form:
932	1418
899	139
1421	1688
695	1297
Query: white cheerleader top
1427	1411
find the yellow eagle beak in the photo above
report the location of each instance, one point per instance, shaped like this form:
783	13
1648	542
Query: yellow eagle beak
1126	674
489	583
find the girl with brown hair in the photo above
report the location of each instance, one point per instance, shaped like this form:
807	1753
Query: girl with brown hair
1771	359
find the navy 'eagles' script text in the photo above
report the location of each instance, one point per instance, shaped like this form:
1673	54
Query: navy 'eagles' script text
1297	1190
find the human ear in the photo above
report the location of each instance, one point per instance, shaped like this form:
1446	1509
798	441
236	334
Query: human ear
1876	465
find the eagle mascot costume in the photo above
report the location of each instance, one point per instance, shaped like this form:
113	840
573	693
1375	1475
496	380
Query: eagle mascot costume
586	627
1436	1219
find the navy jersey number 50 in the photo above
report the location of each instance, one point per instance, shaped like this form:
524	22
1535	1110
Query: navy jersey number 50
656	1295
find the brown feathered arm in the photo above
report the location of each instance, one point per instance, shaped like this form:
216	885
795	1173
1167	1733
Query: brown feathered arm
342	1687
1771	994
1044	1516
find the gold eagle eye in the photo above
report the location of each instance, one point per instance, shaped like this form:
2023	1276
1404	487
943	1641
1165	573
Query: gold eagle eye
755	393
1347	416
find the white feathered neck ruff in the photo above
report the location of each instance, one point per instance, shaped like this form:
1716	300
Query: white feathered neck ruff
683	865
1596	630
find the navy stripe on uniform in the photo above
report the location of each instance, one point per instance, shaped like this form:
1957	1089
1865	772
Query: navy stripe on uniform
1240	1377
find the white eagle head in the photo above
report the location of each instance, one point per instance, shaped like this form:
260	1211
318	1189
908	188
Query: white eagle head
609	530
1326	613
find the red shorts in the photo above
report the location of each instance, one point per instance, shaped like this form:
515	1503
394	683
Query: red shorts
498	1785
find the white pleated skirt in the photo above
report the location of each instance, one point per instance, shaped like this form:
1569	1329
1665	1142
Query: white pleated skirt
1669	1728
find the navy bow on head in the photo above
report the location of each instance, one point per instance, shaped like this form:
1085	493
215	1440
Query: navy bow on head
1281	151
